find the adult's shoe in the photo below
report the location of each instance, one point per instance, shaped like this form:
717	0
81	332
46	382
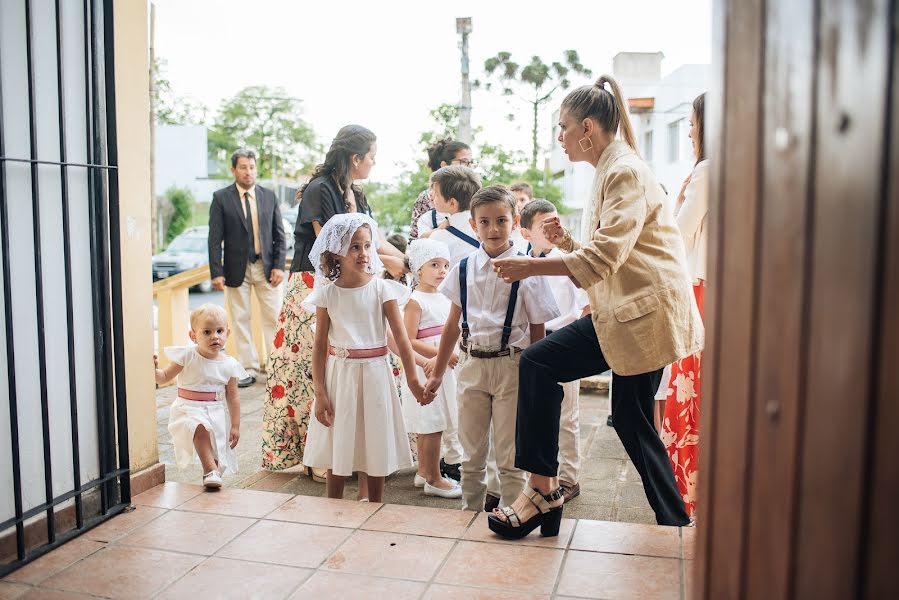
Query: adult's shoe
246	381
451	470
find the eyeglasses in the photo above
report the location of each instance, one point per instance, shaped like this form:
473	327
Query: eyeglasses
465	162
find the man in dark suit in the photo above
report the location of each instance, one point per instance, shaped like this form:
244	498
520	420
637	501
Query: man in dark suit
245	219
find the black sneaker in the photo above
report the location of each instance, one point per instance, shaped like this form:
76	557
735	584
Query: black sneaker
450	470
609	421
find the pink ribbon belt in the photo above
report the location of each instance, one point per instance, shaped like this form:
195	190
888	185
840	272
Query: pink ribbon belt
429	332
197	396
357	352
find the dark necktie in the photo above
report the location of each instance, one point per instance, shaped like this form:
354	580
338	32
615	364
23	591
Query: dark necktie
252	240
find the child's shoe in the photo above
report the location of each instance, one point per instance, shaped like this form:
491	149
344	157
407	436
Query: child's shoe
453	492
418	481
212	480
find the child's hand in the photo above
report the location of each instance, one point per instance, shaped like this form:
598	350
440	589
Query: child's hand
429	365
155	361
454	360
419	392
324	412
433	384
234	436
444	224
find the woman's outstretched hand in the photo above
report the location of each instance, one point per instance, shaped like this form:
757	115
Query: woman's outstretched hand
513	269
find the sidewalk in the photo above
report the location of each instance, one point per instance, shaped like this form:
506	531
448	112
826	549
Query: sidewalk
610	486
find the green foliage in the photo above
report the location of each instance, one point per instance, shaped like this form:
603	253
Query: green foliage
169	109
182	202
271	123
534	83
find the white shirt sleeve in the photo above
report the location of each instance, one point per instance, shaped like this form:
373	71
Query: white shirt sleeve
695	206
540	304
450	286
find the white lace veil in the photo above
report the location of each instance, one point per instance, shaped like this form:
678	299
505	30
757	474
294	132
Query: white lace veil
423	251
335	238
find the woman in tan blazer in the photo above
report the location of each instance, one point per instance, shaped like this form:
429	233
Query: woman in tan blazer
643	314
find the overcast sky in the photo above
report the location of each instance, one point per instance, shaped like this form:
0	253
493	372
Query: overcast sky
386	64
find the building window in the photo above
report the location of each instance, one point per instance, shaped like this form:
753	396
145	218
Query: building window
674	141
647	145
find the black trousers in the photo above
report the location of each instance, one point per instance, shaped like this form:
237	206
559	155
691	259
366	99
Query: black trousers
572	353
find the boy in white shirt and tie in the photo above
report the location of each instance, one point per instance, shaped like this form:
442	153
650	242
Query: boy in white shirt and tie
573	304
498	320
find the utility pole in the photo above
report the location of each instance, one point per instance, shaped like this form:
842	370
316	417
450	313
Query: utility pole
463	27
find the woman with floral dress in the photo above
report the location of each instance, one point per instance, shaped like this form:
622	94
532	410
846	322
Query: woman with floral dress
289	391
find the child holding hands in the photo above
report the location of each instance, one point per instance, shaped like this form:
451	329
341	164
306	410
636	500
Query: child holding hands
202	425
358	424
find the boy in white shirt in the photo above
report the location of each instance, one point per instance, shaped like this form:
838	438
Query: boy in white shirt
498	320
451	191
573	304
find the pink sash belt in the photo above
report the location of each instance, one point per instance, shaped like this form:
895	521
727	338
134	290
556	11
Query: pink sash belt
197	396
429	332
357	352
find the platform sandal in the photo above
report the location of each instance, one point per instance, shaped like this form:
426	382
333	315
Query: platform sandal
548	518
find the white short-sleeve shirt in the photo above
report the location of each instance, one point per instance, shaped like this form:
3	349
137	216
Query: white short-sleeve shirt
488	299
430	220
458	248
570	298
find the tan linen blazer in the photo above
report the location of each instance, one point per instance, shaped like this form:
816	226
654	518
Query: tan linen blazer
634	269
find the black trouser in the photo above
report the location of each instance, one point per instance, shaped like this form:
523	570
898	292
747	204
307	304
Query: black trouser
572	353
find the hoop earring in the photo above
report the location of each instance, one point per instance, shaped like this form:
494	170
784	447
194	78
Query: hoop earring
580	143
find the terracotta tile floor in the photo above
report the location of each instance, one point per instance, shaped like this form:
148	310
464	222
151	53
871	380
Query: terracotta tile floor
181	542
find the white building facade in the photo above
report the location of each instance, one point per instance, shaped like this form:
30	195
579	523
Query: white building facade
659	109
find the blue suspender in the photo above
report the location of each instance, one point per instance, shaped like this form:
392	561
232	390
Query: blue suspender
463	236
434	218
463	296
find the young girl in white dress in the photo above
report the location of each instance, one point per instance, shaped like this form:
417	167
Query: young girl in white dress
204	419
424	316
358	423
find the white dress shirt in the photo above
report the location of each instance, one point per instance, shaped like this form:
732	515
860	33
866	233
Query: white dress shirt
692	220
426	221
570	299
458	248
488	300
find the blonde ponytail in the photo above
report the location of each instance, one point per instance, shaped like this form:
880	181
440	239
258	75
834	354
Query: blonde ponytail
605	105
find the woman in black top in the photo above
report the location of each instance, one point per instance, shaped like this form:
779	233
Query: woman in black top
289	391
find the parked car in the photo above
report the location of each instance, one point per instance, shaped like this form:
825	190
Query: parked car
191	250
187	251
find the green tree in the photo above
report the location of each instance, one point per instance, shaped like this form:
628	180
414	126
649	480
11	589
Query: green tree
534	83
182	202
269	121
170	109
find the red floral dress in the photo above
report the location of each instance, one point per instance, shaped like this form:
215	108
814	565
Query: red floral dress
680	426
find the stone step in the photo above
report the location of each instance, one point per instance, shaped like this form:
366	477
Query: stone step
596	383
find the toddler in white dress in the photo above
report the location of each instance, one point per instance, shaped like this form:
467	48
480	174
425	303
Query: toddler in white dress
204	419
424	316
358	423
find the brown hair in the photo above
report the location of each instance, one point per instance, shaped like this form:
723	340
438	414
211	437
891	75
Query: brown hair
460	183
330	265
351	140
444	150
530	210
523	186
606	106
699	119
493	194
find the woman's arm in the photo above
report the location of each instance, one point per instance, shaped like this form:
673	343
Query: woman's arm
517	268
695	207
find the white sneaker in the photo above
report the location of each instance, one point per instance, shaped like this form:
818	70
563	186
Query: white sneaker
454	492
419	481
212	480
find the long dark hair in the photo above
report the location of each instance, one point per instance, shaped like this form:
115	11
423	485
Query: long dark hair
699	118
604	105
351	140
444	150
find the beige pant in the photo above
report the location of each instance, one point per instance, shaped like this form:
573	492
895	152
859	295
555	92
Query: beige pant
570	433
237	301
488	395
